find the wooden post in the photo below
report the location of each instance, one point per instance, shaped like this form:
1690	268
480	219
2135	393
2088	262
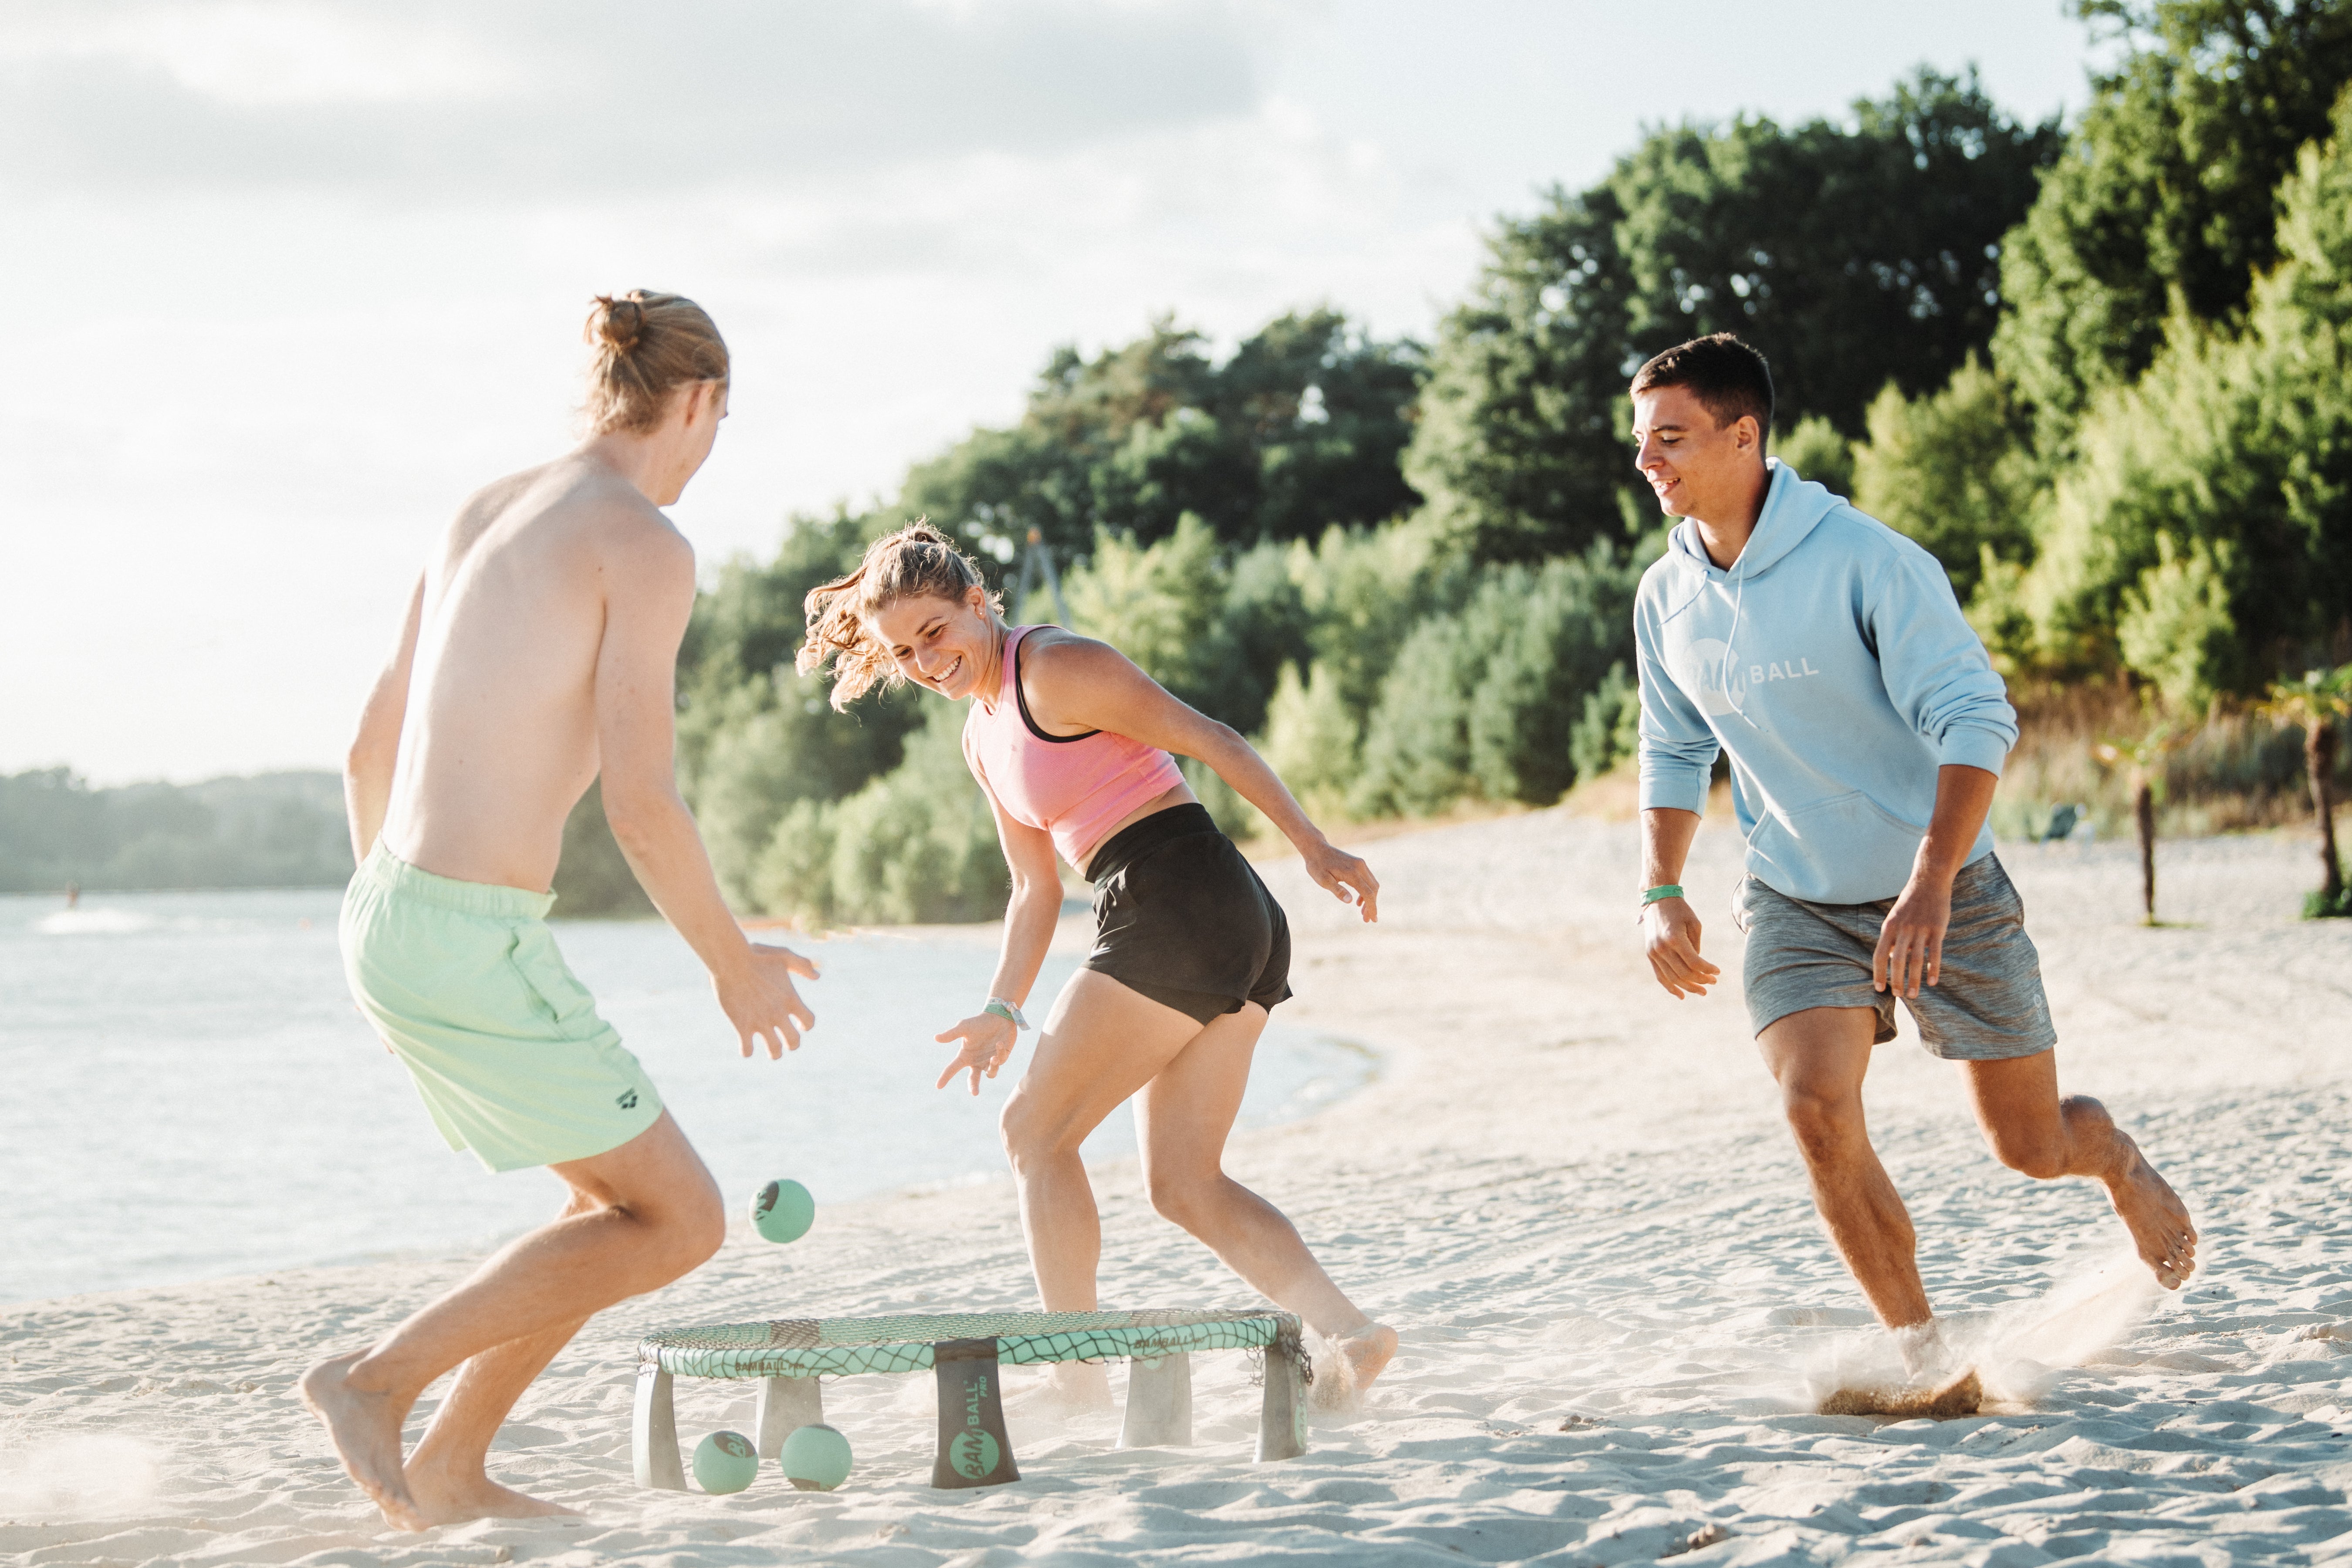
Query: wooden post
2319	760
1158	1403
786	1405
652	1431
1282	1418
974	1450
2144	808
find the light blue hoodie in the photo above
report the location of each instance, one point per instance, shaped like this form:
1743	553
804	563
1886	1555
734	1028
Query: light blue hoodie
1833	664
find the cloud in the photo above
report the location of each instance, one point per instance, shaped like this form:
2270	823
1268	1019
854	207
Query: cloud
554	99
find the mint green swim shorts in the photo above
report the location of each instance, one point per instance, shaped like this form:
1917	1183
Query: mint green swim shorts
464	983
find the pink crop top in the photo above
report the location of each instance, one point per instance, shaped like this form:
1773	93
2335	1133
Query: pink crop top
1076	787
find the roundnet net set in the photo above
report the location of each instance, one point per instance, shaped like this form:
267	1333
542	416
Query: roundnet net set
964	1350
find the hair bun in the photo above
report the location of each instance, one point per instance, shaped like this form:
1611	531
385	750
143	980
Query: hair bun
619	324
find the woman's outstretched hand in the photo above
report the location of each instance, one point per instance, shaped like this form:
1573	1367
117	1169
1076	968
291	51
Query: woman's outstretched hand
1344	876
988	1041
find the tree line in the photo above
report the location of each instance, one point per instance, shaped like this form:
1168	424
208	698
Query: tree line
2098	371
271	830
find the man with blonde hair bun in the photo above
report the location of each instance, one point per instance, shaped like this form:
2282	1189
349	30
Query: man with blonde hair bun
540	650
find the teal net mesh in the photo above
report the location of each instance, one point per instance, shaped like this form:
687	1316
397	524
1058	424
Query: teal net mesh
807	1347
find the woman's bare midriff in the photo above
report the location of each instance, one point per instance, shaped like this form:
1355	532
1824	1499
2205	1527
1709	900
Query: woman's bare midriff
1181	794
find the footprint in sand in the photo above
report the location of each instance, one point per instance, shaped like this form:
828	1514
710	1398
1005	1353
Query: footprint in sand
1961	1396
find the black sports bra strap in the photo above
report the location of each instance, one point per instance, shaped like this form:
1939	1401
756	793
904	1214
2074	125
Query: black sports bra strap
1022	697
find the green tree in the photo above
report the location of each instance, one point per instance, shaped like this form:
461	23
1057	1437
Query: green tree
1362	591
1482	703
1820	451
2165	200
2210	509
1608	729
1161	606
1297	431
1850	253
1312	738
1954	470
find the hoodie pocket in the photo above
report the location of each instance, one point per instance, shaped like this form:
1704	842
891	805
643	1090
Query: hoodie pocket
1847	850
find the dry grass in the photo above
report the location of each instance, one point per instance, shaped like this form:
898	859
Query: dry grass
2233	772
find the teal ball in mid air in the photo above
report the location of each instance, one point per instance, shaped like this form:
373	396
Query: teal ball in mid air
783	1211
816	1458
725	1462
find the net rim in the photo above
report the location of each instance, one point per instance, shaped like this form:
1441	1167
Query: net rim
810	1347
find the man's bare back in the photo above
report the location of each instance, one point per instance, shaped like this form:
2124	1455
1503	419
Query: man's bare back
500	739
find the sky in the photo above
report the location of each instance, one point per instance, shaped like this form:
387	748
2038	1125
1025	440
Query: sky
287	278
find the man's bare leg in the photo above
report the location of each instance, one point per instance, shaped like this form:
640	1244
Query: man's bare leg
446	1473
665	1219
2031	1131
1819	1057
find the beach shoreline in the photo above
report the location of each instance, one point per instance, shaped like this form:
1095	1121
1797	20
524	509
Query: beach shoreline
1573	1197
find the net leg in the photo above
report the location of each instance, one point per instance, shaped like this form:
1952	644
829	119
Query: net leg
1282	1419
786	1405
1158	1403
652	1431
975	1449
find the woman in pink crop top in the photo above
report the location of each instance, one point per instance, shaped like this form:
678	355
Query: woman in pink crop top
1072	744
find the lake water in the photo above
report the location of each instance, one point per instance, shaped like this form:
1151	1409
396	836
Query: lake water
189	1093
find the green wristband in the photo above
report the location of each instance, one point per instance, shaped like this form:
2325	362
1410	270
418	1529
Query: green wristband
1671	891
1009	1013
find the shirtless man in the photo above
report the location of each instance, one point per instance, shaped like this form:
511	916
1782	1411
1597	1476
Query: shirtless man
1825	654
539	650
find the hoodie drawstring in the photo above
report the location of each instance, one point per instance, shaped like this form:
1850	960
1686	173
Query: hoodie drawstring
1731	640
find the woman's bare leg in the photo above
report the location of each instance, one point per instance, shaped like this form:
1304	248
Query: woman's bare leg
1101	1043
1182	1117
1104	1043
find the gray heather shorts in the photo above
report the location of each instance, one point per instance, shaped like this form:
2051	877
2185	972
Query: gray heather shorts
1987	1006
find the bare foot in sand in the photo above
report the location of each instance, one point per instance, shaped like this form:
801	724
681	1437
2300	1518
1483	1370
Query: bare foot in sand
2156	1218
1355	1359
365	1430
1921	1346
445	1498
1068	1388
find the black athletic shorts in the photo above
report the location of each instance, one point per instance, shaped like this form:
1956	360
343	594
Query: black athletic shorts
1181	918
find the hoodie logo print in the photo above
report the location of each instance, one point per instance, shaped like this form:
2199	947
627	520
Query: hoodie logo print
1707	684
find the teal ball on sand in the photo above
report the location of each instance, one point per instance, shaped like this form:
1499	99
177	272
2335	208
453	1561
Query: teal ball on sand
783	1211
816	1458
725	1462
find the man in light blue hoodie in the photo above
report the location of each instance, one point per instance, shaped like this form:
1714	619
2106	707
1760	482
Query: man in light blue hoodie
1826	655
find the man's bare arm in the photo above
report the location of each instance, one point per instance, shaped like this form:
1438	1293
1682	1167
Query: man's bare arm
375	750
1670	928
648	598
1911	942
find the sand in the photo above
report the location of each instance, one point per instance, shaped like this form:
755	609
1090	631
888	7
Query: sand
1571	1195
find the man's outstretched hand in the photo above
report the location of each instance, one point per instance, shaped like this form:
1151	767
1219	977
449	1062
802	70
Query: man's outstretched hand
759	1001
1670	936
